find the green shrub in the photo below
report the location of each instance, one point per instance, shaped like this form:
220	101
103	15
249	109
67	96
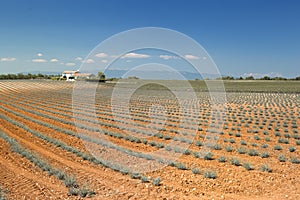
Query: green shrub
264	155
252	152
73	191
208	156
144	141
265	168
156	181
241	150
196	154
296	136
265	132
283	140
292	149
2	194
168	148
187	152
281	158
235	161
248	166
135	175
218	147
210	174
60	175
264	146
256	137
237	135
160	145
70	181
180	166
229	148
196	171
84	191
254	144
295	160
277	147
152	143
198	143
231	140
267	139
144	179
222	159
277	134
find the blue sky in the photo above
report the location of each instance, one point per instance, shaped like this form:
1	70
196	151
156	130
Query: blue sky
243	37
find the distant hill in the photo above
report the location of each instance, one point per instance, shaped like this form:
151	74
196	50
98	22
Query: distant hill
158	74
41	72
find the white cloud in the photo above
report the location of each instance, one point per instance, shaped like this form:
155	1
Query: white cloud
101	55
39	54
88	61
114	56
70	64
54	60
167	57
191	57
135	55
39	60
78	58
8	59
104	61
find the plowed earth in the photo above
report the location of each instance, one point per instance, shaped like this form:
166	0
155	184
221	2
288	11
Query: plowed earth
46	107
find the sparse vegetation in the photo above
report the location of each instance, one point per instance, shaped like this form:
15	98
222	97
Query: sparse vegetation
281	158
252	152
196	171
222	159
3	194
69	180
295	160
235	161
156	181
265	168
248	166
266	128
210	174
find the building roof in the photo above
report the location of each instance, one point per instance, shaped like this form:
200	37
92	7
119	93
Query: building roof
79	74
70	72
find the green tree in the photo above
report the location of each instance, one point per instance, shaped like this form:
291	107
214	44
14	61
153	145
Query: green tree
266	78
101	75
20	76
249	78
227	78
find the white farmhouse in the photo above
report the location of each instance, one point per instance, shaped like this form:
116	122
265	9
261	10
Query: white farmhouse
72	75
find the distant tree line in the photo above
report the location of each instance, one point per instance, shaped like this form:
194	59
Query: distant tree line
101	75
252	78
25	76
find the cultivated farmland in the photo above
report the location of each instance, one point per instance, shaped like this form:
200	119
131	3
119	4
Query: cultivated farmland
49	148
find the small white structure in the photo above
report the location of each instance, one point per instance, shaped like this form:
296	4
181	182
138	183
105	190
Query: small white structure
69	75
72	75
